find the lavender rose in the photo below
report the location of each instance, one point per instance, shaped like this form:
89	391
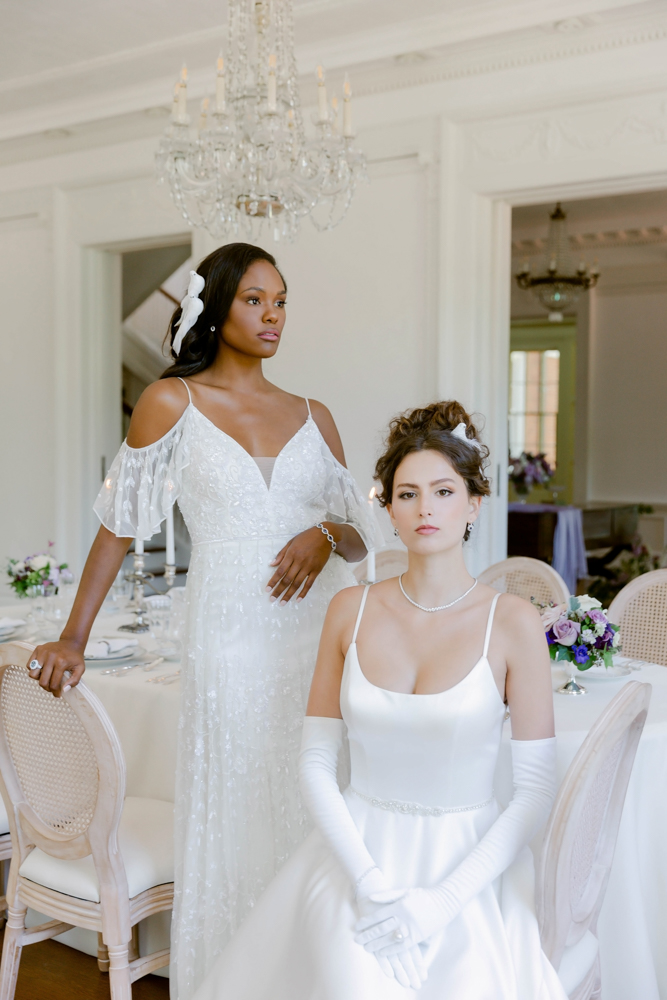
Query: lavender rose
566	632
597	616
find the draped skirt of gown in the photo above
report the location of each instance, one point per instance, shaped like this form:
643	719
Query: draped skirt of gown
247	665
421	795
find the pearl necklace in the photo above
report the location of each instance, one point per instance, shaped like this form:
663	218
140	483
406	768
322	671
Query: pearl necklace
442	606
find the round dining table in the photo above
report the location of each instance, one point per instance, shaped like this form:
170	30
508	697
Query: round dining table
143	706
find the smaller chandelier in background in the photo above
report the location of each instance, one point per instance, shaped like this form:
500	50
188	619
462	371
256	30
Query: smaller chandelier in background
559	286
249	164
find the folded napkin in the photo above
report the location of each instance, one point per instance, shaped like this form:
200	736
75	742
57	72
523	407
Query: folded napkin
7	623
108	647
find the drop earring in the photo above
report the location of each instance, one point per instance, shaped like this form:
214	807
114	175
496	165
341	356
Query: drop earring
212	329
396	532
470	527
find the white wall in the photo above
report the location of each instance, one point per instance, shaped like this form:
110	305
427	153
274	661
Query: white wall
628	397
27	397
359	335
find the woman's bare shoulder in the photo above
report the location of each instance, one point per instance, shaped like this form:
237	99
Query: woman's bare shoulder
518	621
160	406
327	425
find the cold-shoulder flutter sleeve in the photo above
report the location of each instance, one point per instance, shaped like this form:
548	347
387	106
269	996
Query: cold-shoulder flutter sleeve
345	503
143	483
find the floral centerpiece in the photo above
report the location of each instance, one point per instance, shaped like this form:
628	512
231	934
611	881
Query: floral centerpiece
529	470
37	574
580	634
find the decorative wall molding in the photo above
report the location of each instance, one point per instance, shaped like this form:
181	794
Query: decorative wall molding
598	126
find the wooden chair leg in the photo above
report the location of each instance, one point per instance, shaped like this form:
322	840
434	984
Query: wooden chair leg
133	947
102	954
11	951
120	982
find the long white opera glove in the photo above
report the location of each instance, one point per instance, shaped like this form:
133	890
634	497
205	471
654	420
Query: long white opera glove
416	914
320	746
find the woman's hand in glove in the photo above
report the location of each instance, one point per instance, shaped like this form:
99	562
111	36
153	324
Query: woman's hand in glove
401	920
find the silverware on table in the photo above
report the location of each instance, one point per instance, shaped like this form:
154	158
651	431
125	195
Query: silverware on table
125	669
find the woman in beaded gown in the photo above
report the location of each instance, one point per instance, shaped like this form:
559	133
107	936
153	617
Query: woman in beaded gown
267	539
413	883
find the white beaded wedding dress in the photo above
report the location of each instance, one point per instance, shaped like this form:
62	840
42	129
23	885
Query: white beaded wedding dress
248	663
421	795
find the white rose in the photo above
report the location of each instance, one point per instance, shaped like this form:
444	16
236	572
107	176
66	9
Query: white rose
19	567
617	638
587	603
39	562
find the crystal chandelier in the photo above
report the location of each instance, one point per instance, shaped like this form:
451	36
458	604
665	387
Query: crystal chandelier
559	286
249	165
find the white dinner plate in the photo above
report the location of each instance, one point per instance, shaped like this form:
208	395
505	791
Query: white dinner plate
7	633
605	673
117	657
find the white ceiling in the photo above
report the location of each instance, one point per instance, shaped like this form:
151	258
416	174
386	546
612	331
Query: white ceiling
43	36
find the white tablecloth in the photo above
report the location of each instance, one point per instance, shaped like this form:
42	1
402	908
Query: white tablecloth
634	915
634	959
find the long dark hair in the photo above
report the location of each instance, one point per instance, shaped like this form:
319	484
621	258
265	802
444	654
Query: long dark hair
222	271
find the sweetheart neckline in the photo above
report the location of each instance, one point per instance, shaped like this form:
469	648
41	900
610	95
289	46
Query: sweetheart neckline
433	694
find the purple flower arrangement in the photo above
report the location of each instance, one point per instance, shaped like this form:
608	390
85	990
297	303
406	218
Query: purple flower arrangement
580	632
529	470
41	570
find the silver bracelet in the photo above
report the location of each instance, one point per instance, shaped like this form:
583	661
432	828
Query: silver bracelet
357	884
328	534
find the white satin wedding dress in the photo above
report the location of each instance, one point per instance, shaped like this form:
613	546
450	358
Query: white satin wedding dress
248	664
421	795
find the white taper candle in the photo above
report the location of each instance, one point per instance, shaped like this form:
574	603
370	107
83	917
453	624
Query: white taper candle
171	548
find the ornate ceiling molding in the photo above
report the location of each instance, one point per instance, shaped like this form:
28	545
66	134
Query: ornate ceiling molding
596	241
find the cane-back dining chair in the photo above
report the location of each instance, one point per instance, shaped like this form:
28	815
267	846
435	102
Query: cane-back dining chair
388	563
82	853
527	578
580	840
640	609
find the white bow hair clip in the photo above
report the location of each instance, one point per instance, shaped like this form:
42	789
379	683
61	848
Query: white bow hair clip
191	309
460	433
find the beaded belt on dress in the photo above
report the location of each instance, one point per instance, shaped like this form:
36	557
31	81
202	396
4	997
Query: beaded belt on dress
415	809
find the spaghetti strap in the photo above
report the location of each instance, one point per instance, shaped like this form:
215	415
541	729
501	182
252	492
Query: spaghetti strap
186	386
361	611
489	626
308	405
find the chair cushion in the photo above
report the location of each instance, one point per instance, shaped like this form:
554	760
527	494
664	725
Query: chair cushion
577	961
146	839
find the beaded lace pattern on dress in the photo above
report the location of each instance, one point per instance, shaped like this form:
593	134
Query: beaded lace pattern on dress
248	664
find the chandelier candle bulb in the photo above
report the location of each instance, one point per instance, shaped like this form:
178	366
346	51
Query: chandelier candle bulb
347	110
203	115
183	96
321	96
174	104
139	546
220	87
272	86
334	109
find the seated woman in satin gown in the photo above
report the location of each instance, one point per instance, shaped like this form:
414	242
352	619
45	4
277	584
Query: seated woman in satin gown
413	880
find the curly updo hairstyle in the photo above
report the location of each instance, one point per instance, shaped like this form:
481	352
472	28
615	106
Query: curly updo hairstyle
430	428
222	271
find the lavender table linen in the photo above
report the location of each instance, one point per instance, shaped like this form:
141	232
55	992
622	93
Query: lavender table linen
569	558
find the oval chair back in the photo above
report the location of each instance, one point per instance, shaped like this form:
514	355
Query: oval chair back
640	609
526	578
581	832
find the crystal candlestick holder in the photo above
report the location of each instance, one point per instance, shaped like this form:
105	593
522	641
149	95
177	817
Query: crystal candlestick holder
572	686
139	578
